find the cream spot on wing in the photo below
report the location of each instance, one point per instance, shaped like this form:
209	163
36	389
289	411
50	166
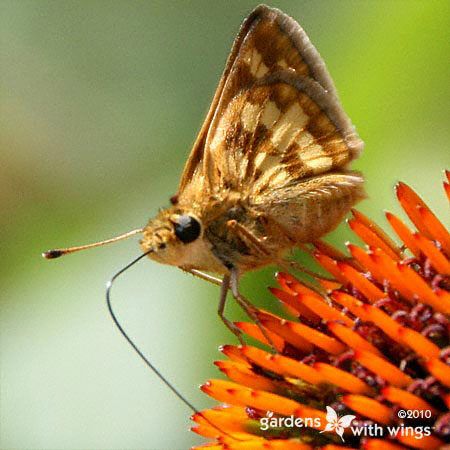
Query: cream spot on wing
283	63
268	176
255	63
289	122
242	168
265	162
312	155
249	116
262	70
313	151
320	164
270	114
219	135
304	138
279	178
260	158
255	60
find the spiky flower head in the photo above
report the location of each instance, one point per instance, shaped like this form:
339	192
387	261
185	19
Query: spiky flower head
372	343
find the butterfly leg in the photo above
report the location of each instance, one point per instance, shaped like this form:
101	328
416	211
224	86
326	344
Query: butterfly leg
225	284
224	288
220	310
248	237
250	310
204	276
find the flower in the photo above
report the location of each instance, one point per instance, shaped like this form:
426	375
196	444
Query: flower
370	344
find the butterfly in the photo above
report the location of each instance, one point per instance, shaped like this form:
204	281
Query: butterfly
269	169
336	423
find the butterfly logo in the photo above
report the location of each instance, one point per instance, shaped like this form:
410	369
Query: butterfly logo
336	423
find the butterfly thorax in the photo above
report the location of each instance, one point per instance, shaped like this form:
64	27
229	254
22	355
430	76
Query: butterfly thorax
241	236
218	245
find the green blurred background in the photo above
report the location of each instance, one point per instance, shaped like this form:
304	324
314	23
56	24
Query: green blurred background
100	102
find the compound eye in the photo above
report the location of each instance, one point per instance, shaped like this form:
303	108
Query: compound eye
187	229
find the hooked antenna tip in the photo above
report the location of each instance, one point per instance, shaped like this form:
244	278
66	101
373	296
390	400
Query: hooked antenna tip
52	254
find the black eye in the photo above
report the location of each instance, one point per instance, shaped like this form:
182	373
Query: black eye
187	229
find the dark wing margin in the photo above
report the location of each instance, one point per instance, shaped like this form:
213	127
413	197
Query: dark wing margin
301	41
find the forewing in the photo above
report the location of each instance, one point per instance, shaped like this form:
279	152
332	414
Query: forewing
283	129
331	415
346	421
268	41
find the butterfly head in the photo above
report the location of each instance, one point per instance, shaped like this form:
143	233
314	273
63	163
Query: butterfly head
173	236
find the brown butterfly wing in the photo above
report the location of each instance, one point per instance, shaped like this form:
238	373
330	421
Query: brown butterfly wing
285	145
269	41
283	129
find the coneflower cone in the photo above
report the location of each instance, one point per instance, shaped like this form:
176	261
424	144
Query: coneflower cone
372	342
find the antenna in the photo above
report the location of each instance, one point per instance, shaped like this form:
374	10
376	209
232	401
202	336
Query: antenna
56	253
144	358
